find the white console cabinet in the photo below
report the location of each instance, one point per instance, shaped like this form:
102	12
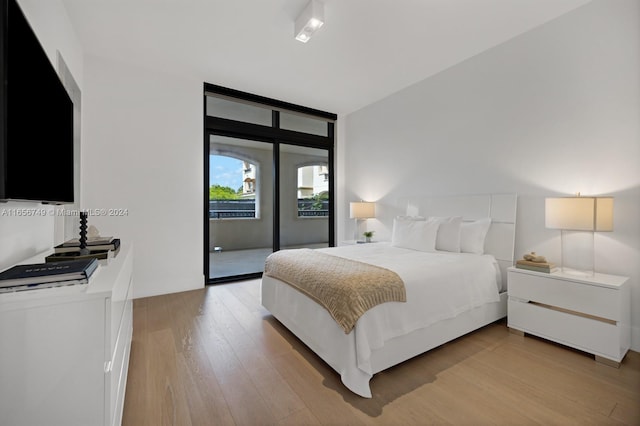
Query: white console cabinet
64	351
592	314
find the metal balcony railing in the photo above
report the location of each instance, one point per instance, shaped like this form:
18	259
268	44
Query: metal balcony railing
232	209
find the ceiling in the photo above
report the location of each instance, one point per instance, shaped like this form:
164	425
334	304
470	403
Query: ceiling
367	49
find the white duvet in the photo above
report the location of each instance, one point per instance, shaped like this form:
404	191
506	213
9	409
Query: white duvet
438	285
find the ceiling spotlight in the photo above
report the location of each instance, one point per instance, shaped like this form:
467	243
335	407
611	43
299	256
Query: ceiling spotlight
309	21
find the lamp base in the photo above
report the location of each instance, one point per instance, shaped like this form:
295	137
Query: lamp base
577	253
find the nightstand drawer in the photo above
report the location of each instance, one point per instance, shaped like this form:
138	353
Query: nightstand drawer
588	299
597	337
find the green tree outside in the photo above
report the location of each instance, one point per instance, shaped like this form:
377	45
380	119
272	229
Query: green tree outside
219	192
317	201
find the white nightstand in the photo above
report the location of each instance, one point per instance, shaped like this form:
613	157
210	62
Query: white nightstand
592	314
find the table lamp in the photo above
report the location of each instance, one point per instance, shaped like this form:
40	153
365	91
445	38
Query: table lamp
578	218
361	210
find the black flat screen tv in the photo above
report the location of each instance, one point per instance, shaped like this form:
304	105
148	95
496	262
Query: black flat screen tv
36	117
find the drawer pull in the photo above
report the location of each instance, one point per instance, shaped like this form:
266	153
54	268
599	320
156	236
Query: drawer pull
580	314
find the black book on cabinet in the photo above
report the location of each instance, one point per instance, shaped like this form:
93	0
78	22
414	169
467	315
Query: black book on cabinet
39	273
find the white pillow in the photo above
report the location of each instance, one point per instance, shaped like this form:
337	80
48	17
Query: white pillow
448	238
414	234
473	234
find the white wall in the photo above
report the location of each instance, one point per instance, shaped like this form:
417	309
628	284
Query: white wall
551	112
20	236
142	151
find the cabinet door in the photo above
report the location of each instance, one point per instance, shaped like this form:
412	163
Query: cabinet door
52	363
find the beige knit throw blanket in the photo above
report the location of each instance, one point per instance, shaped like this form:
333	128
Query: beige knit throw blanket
345	287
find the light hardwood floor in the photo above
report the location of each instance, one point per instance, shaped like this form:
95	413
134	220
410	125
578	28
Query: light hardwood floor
216	357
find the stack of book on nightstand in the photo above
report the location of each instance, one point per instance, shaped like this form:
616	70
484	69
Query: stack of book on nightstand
45	275
536	266
99	248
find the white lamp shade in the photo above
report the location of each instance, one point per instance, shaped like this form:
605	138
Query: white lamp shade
579	213
604	214
362	210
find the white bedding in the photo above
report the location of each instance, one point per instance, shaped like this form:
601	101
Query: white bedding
438	285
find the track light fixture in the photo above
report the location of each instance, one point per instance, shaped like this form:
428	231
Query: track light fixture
309	21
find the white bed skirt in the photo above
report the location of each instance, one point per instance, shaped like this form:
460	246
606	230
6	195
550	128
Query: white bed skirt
313	325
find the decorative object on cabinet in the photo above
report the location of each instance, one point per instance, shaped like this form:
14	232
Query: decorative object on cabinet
68	256
83	234
545	267
578	218
368	235
89	245
535	258
535	262
592	314
98	244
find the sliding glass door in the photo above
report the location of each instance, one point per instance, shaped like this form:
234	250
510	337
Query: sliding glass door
240	206
268	181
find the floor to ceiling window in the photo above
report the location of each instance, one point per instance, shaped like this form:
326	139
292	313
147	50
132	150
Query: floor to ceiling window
268	181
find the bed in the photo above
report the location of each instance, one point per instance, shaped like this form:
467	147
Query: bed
448	293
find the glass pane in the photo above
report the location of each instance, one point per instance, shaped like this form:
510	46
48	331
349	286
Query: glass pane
224	108
304	124
240	200
304	197
227	199
313	190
